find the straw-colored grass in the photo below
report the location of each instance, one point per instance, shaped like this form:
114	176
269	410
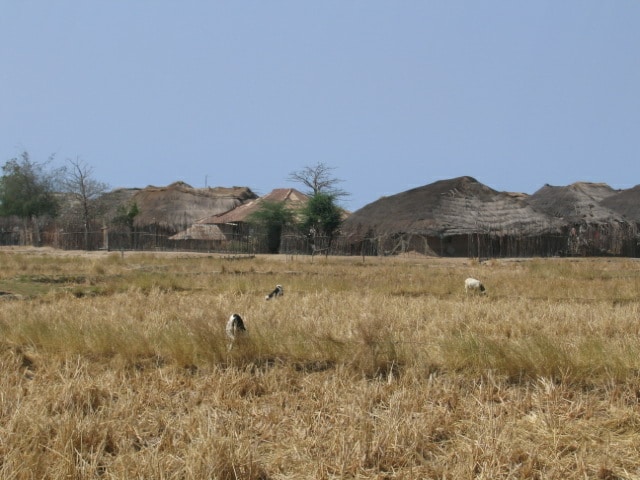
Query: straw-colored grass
117	366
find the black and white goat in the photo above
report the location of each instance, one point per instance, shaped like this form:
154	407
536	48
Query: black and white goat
474	285
277	292
235	328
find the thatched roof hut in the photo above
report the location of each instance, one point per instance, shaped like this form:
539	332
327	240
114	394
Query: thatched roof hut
580	202
459	216
625	203
459	206
290	196
592	226
231	225
179	205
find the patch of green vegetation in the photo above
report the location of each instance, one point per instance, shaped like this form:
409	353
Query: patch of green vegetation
25	289
54	279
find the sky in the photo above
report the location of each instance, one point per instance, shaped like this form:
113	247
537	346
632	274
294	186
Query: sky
391	95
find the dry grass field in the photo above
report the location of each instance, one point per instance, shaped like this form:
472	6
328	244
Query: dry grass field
116	366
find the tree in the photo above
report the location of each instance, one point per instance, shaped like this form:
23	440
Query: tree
85	191
27	191
321	217
318	179
125	216
273	217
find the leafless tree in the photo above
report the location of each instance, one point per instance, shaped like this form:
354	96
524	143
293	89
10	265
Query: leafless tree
319	179
85	191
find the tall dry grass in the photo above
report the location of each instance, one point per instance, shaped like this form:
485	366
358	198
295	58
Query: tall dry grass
117	366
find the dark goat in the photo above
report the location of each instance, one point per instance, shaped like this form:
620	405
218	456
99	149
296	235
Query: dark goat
277	292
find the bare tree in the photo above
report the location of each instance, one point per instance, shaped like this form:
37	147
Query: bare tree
319	179
78	182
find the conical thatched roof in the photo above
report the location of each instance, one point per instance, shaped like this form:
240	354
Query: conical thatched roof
292	198
576	203
179	205
449	207
625	203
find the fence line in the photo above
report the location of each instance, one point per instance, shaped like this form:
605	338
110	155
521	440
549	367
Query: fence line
602	240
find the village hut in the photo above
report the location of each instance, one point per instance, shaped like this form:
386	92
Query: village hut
164	211
175	207
626	203
590	227
578	202
237	216
233	225
455	217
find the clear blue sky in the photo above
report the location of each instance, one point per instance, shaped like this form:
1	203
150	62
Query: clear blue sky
393	94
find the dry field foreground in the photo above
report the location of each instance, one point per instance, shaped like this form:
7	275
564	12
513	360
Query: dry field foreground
116	367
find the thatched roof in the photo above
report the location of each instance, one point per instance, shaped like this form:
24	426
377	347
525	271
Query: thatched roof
111	201
292	198
179	205
576	203
119	196
199	231
449	207
625	203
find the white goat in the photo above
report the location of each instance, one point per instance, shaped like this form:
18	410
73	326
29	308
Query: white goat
474	285
277	292
235	328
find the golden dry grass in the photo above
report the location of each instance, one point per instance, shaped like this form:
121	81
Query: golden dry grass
116	366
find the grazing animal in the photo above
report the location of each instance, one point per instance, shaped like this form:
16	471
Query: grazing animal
277	292
474	285
235	328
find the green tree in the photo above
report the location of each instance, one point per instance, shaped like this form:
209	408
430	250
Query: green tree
272	217
125	217
321	218
27	191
